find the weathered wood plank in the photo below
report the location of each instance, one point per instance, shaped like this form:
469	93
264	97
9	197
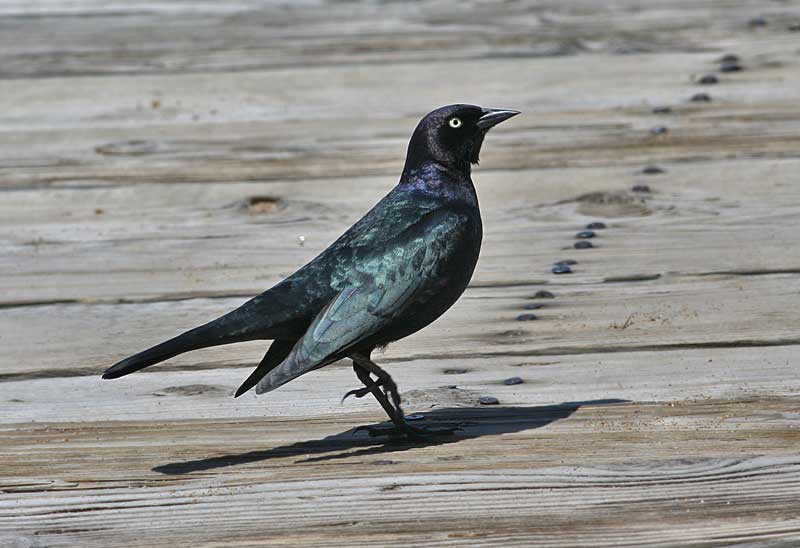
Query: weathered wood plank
602	478
202	238
191	392
245	127
708	312
110	38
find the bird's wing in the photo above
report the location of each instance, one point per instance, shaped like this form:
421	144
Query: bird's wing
380	287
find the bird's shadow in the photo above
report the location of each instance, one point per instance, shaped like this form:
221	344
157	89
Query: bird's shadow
472	422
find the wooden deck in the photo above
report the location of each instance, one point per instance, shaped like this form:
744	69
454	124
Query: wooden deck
161	162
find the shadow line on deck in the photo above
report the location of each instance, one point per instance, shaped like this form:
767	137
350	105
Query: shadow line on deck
473	423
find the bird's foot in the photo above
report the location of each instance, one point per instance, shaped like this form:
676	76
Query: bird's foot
426	433
405	431
378	430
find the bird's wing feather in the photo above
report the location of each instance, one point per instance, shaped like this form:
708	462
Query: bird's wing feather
377	291
394	214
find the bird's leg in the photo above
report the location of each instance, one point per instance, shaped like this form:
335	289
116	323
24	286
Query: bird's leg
385	381
363	367
373	387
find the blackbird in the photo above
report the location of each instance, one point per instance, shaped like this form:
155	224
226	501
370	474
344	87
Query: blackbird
395	271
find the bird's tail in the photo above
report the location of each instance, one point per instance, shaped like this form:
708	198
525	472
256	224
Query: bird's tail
233	327
194	339
275	314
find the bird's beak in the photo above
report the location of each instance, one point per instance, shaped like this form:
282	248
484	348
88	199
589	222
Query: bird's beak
491	117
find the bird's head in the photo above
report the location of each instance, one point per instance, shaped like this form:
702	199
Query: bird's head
452	136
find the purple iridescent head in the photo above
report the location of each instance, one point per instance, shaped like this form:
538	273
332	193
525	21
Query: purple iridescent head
452	136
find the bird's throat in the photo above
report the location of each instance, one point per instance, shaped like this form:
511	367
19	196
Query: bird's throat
434	179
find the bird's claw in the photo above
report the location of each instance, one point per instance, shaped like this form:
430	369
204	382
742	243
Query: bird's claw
358	393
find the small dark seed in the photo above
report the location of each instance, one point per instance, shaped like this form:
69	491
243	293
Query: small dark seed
533	306
731	66
561	269
543	295
794	27
415	417
757	22
659	130
526	317
662	110
457	371
708	80
640	188
597	225
512	381
488	400
583	234
583	244
652	170
701	98
729	58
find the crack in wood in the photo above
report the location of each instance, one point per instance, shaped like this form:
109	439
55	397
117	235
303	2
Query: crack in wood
608	349
549	352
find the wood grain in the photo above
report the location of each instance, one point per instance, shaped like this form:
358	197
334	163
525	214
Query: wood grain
537	476
160	162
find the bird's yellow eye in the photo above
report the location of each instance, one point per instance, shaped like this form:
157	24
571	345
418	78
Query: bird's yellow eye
455	122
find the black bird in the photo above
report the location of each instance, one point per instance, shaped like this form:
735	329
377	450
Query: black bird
392	273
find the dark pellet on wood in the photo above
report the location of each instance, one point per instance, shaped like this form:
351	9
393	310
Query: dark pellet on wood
597	225
583	244
526	317
456	371
757	22
662	110
652	170
731	66
543	295
488	400
701	98
568	262
640	188
729	58
708	80
512	381
561	269
533	306
583	234
659	130
794	28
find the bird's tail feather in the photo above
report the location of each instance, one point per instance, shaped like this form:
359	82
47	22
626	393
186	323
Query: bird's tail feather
266	316
211	334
